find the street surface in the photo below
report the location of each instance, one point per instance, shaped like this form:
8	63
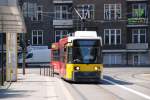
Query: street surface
118	84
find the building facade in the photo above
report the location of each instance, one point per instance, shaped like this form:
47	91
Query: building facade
125	32
124	26
38	16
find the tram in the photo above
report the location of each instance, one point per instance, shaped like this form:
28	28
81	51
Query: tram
79	57
55	57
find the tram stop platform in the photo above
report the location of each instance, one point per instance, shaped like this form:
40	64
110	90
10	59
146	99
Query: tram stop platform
33	86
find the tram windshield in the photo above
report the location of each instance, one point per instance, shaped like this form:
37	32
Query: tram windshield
86	51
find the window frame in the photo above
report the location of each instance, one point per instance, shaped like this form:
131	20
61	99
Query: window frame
139	5
113	58
37	37
61	34
110	35
58	9
115	11
36	14
138	34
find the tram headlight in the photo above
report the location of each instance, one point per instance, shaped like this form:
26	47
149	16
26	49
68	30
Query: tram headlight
77	68
97	68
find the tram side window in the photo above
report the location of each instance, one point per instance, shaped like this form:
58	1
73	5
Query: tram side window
62	55
56	55
69	55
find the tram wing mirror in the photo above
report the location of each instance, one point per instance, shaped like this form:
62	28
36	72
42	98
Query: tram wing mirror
30	55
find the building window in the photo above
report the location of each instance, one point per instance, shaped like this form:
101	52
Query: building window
37	37
139	58
60	34
138	35
112	59
86	11
29	9
112	11
33	11
38	16
62	12
112	36
139	10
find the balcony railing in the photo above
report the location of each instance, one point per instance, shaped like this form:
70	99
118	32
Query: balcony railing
137	46
62	1
63	23
137	21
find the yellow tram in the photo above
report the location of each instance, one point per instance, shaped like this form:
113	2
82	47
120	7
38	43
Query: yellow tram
80	57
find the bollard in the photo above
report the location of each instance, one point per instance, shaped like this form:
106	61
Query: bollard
40	70
44	70
52	72
49	70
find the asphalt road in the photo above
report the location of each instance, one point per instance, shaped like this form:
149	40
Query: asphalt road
118	84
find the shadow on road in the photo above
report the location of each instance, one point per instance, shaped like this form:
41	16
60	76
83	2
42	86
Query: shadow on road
8	93
104	82
117	81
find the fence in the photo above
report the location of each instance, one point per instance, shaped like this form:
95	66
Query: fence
46	70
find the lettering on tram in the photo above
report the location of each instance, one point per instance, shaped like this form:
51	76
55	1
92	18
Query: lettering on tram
78	58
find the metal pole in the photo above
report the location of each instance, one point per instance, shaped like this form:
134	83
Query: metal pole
44	70
82	25
49	70
24	54
2	60
40	70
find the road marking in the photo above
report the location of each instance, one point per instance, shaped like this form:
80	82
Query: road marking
128	89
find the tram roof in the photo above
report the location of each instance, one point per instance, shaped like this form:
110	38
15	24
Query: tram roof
85	34
71	38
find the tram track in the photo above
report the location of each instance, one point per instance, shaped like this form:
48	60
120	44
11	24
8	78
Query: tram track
119	98
135	76
97	85
79	94
73	88
146	87
132	76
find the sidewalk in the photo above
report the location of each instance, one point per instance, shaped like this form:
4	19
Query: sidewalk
32	86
